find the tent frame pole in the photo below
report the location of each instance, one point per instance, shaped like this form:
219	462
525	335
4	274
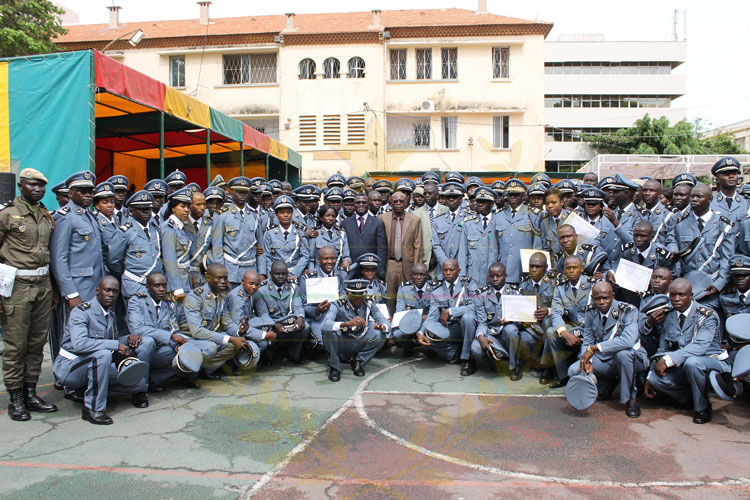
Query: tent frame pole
208	156
267	157
161	146
242	159
286	171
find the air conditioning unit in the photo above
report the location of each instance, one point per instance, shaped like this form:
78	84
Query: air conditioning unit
427	105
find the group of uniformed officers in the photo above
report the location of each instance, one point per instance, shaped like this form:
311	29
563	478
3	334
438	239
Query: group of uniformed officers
172	281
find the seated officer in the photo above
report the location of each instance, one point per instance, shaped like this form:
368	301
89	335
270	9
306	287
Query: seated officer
650	316
353	328
563	338
735	299
610	346
452	304
642	249
279	299
368	269
568	239
689	349
541	283
241	307
207	318
86	354
152	317
493	332
414	294
325	267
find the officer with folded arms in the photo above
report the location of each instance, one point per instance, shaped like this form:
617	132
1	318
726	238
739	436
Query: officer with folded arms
25	231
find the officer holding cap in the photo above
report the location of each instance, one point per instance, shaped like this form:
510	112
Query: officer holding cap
727	199
25	231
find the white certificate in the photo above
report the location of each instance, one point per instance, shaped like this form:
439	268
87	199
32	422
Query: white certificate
519	308
633	276
526	254
585	231
320	289
397	318
383	310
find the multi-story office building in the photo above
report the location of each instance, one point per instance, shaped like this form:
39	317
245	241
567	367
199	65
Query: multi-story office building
362	91
592	86
740	132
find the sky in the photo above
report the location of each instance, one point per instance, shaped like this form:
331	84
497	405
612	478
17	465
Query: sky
718	41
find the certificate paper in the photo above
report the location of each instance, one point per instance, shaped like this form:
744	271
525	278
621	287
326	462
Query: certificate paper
526	254
519	308
383	310
397	318
585	231
632	276
320	289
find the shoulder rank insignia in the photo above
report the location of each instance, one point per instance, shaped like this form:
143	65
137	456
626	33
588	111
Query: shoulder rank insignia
587	246
64	210
84	305
312	274
406	283
628	245
705	311
126	227
726	221
484	289
590	307
273	226
141	295
615	314
435	284
198	290
342	302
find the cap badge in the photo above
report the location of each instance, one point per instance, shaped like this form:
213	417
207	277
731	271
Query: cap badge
87	175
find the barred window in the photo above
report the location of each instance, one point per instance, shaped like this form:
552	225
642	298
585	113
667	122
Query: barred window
424	64
249	68
422	135
398	64
307	69
500	62
331	68
356	67
177	71
450	63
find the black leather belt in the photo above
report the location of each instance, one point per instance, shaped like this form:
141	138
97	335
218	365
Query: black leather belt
395	260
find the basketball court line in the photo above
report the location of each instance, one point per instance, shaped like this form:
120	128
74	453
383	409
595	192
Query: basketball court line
481	394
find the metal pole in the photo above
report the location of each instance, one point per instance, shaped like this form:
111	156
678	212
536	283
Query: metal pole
161	146
242	159
267	157
208	157
286	172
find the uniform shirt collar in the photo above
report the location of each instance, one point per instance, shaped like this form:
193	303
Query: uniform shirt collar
177	222
705	217
139	224
686	312
646	252
155	303
105	312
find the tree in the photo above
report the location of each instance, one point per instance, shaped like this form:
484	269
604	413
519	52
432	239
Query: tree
28	27
656	136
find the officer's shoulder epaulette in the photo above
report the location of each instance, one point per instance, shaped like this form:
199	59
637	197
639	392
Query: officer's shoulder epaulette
85	305
644	211
590	307
627	245
198	291
728	291
511	286
683	217
386	210
472	216
298	225
263	283
661	251
484	289
317	228
591	279
706	311
466	279
64	210
623	305
674	210
435	283
273	226
312	274
406	283
441	215
124	228
380	281
534	210
587	246
726	221
562	279
141	295
342	302
170	222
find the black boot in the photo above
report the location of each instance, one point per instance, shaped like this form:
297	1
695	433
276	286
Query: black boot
34	402
16	407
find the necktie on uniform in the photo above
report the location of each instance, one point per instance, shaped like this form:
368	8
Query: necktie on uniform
484	222
286	234
620	211
498	294
536	287
729	202
640	258
604	321
195	224
701	224
148	235
330	234
420	293
453	217
450	289
681	319
742	298
512	212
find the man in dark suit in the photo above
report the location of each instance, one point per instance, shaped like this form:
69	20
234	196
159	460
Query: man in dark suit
366	234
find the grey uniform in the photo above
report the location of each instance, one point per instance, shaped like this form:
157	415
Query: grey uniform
314	320
587	252
713	254
108	228
290	245
530	335
515	229
341	341
177	250
76	252
446	237
620	354
277	303
568	310
462	324
548	226
334	238
479	247
234	236
409	297
241	306
662	221
489	308
207	319
85	358
737	212
135	254
201	239
697	351
609	239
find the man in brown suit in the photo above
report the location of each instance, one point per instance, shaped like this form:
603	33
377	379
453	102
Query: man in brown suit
404	234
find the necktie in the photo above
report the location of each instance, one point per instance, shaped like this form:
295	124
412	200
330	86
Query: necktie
640	258
195	224
498	294
484	222
453	217
148	235
286	234
536	287
361	223
701	224
604	321
620	211
681	319
157	312
450	289
420	293
397	240
512	212
330	234
742	298
432	217
729	202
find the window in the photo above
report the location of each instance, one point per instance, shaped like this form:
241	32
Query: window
356	67
268	126
408	132
424	64
500	129
249	68
450	63
307	130
331	68
177	71
307	69
422	134
606	101
500	62
450	128
398	64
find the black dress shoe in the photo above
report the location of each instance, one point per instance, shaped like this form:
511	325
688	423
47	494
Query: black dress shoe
75	396
297	361
357	369
632	409
58	385
334	375
557	383
154	387
468	368
17	407
546	377
96	417
139	400
516	374
212	375
702	417
34	402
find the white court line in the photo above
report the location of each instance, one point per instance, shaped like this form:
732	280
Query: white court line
481	394
301	446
